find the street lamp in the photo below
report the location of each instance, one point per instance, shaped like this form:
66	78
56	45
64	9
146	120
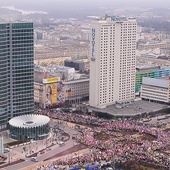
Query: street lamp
46	143
9	157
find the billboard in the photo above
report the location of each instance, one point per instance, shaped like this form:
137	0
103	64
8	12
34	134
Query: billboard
51	80
69	92
51	93
91	167
59	93
50	90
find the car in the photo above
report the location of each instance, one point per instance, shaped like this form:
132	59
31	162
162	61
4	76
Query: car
34	159
42	152
109	168
54	142
48	149
61	143
6	150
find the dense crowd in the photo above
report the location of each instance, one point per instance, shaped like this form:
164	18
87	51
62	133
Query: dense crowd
51	166
114	143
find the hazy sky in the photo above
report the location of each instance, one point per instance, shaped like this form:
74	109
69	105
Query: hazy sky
81	8
46	4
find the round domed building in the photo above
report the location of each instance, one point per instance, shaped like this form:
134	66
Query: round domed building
28	127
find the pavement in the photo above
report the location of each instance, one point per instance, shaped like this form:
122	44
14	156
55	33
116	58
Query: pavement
132	109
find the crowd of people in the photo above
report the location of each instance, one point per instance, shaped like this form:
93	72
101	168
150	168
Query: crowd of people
51	166
112	139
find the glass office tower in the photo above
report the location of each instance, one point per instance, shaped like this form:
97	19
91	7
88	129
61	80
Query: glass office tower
4	54
16	71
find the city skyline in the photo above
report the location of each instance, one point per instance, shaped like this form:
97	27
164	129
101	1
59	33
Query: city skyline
85	3
84	84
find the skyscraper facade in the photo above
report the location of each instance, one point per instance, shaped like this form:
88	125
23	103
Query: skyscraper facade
16	70
113	60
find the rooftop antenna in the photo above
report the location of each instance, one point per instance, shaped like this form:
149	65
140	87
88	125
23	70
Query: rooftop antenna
106	16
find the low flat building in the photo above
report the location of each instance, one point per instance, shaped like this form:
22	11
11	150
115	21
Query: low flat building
152	45
153	89
152	72
82	64
78	65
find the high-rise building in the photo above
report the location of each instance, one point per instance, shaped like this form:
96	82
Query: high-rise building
16	70
113	60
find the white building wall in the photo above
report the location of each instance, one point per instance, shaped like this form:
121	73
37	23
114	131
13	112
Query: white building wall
155	89
95	66
150	92
112	62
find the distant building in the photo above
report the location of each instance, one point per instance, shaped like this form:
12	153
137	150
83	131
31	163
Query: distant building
66	86
156	89
113	60
152	45
166	51
40	35
16	70
76	91
78	65
152	72
144	67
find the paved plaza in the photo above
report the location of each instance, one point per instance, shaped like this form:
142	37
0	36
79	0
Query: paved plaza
132	109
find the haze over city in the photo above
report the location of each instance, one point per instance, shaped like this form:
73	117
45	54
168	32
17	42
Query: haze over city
85	7
46	4
85	84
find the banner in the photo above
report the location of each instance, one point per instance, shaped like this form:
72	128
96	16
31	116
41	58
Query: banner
59	93
51	93
69	93
51	80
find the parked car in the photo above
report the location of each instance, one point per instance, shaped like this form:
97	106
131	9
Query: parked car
54	142
34	159
61	143
42	152
48	149
6	150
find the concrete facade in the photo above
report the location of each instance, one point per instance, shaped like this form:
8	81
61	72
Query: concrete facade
155	89
113	61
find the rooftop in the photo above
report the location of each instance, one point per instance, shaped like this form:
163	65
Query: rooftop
131	109
65	73
144	67
161	82
115	18
28	121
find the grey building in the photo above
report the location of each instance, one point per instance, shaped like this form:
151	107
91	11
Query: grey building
78	65
16	70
